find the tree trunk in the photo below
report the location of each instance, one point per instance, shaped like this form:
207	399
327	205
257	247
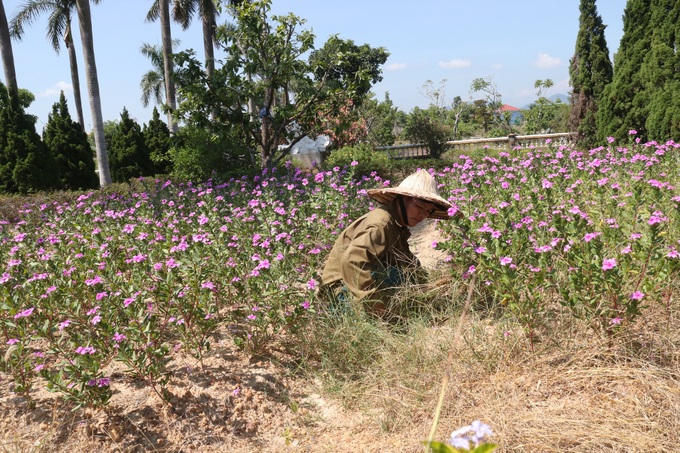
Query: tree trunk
208	44
85	21
168	67
8	58
75	79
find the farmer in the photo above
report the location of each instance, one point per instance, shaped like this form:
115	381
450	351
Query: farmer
371	257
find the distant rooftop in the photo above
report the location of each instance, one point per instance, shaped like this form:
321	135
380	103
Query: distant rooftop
509	108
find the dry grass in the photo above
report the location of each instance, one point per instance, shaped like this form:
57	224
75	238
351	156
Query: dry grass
575	392
375	387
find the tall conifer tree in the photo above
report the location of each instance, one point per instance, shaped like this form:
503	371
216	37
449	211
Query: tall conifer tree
68	143
26	165
590	72
661	72
157	140
129	156
624	104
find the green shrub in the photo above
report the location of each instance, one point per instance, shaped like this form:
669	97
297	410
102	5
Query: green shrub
368	160
201	155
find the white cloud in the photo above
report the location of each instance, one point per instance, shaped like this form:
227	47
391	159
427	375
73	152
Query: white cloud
395	66
561	86
456	63
497	66
55	90
546	61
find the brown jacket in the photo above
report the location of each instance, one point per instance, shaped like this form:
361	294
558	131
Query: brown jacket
371	242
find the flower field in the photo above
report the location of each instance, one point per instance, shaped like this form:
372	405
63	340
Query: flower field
134	277
597	231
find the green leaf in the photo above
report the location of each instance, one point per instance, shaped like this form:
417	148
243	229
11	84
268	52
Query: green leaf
439	447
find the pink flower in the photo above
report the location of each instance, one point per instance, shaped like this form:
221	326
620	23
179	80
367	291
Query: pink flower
25	313
505	260
615	321
637	295
311	284
85	350
609	264
590	236
93	281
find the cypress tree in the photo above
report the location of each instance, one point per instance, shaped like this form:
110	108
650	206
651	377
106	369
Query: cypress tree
624	103
590	71
26	165
68	143
129	156
661	72
157	140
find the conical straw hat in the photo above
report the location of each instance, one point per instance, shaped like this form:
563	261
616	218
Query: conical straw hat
419	185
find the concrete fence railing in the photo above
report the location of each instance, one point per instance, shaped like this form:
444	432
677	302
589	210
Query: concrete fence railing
498	143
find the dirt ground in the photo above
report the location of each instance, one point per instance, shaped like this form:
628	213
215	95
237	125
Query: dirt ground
234	403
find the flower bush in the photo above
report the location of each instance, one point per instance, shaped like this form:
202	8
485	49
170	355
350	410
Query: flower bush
133	278
596	230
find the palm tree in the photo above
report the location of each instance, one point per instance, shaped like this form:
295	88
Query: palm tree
8	58
161	9
153	82
85	21
183	12
58	28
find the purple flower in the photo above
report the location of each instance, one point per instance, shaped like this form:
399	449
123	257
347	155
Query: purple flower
609	264
590	236
12	341
85	350
311	284
615	321
24	313
93	281
637	295
505	260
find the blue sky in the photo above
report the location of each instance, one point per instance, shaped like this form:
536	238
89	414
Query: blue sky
515	42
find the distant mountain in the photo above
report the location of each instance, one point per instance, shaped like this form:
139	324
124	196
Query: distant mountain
559	96
563	98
